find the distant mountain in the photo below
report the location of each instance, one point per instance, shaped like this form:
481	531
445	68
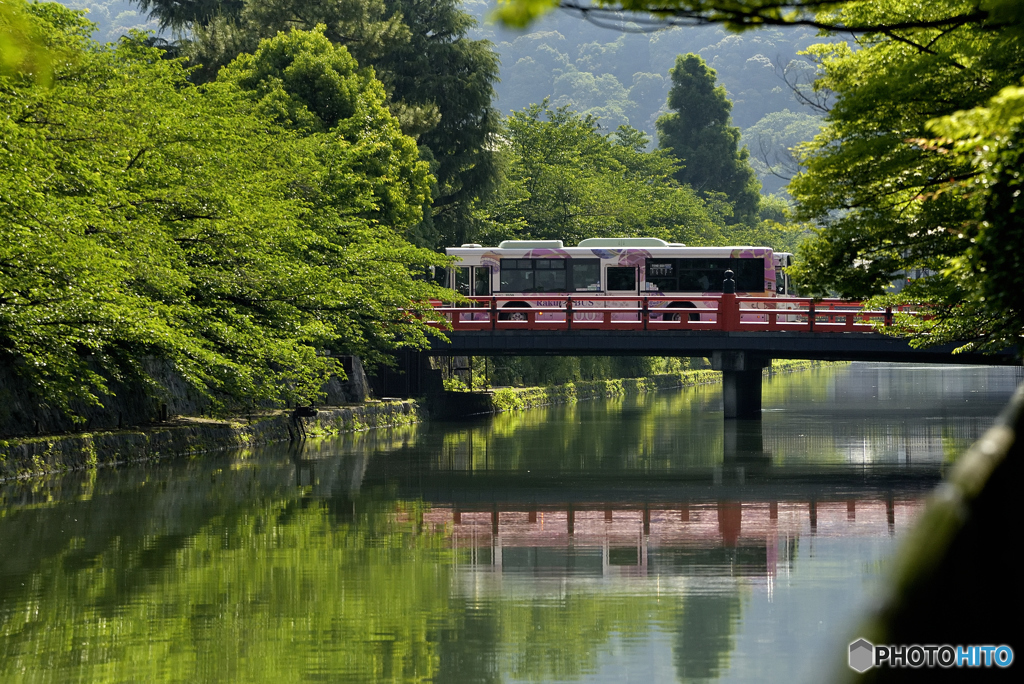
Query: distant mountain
622	76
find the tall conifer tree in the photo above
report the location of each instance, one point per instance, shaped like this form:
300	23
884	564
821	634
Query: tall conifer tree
699	132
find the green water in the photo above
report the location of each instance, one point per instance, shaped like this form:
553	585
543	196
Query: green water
614	541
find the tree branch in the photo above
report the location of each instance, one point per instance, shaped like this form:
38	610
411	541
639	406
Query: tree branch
666	14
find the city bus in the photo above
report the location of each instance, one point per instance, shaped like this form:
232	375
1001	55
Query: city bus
613	268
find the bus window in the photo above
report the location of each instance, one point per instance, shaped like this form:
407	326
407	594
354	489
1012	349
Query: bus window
663	274
482	281
550	275
586	275
533	275
704	274
516	275
749	274
621	279
462	280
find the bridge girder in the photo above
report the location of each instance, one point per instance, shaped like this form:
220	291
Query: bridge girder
856	346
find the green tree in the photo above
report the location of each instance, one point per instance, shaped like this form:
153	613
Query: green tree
567	181
144	217
441	67
21	50
221	30
439	81
699	132
979	294
746	14
305	83
890	203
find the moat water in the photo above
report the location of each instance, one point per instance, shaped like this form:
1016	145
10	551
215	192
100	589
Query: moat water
631	540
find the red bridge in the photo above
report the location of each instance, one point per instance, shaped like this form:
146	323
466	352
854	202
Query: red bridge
741	335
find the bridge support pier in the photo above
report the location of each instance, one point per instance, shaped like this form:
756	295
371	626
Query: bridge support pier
741	382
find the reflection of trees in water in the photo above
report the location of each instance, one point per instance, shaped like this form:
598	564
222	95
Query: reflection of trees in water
194	556
906	438
561	637
149	509
320	572
179	570
468	646
705	634
657	431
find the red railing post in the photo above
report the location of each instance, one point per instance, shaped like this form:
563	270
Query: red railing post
645	312
810	316
729	312
888	316
568	313
494	312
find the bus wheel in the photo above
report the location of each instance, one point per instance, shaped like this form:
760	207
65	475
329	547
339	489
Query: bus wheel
682	305
519	316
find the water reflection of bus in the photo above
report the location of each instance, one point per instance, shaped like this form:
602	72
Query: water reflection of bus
613	268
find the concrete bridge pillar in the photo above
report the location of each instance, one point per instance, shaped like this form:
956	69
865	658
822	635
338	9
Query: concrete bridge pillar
741	382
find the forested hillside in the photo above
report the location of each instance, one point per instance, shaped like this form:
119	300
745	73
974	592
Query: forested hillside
622	77
618	76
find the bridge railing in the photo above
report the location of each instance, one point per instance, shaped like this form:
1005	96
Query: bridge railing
721	312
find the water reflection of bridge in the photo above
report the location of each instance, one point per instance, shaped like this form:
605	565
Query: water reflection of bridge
751	537
744	515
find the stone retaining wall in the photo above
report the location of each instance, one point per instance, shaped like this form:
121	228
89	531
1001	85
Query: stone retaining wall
32	456
517	398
